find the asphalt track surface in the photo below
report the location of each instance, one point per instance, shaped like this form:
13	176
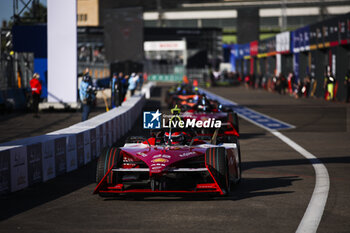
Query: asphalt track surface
19	125
274	193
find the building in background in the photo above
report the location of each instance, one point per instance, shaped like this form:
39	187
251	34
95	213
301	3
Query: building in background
206	26
88	13
274	16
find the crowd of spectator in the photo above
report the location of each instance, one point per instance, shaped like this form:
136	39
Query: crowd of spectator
122	87
297	87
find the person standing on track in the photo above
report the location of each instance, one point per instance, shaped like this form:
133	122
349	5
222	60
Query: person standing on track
133	80
329	84
120	89
307	85
125	83
347	86
36	92
86	95
140	82
291	80
115	91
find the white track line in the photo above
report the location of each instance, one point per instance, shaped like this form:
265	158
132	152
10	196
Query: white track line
313	214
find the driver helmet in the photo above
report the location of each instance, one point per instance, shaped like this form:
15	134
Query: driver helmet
203	104
175	138
220	107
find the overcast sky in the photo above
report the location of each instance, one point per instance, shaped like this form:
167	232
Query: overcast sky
6	8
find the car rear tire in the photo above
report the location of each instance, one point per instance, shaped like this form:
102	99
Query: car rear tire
101	165
216	160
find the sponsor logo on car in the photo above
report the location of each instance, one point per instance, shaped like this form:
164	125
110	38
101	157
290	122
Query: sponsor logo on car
157	165
187	154
127	160
160	160
163	156
142	154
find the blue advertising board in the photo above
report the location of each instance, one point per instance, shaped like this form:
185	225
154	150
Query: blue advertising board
246	49
296	65
301	39
240	51
233	56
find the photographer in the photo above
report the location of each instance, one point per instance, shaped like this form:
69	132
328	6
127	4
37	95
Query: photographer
87	95
36	87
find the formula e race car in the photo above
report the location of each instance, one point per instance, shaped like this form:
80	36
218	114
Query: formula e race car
197	106
205	109
181	95
175	161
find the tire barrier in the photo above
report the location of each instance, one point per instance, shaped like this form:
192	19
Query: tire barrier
37	159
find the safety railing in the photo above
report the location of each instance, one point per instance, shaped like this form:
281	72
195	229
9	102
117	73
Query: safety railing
37	159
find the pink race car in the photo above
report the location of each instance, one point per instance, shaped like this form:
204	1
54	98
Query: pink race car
175	161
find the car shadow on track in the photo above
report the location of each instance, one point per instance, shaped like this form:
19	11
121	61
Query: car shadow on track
243	136
41	193
248	188
256	187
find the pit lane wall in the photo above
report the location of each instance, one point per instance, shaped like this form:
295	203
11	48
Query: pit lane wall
37	159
